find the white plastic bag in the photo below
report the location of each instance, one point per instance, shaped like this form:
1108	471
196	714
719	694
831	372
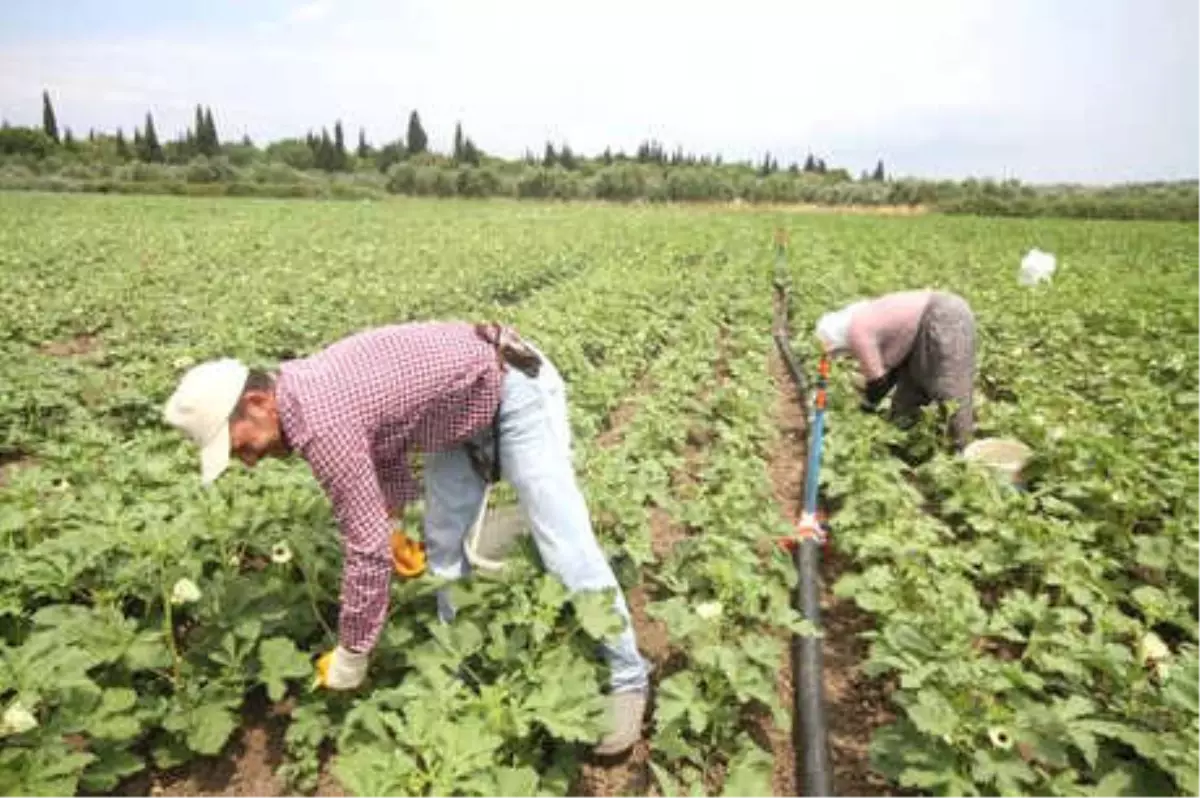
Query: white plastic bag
1036	267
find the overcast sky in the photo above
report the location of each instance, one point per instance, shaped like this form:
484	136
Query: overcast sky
1044	90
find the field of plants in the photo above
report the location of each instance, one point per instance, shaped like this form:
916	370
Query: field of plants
157	637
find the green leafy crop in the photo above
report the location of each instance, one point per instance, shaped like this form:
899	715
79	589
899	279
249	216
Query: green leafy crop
1040	642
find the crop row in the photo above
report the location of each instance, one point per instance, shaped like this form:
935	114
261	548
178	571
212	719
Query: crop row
1042	640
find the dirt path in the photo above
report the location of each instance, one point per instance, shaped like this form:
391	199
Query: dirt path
248	766
630	774
854	705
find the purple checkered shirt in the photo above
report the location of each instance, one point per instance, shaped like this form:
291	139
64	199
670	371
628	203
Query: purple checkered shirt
355	410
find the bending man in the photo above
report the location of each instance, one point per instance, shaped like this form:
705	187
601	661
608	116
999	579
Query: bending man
357	409
920	342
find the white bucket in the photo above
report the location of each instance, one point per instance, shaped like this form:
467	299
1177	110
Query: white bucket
492	536
1007	456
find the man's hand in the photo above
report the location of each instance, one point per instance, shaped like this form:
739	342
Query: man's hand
341	669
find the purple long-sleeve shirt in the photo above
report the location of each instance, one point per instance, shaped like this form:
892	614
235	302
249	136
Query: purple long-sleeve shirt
355	411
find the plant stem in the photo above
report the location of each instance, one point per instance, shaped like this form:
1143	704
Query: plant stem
169	632
312	600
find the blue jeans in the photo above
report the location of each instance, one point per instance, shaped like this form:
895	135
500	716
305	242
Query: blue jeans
535	456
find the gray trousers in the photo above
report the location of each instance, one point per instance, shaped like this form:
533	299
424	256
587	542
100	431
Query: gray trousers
941	366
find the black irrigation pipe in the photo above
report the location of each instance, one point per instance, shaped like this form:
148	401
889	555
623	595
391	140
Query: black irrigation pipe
809	732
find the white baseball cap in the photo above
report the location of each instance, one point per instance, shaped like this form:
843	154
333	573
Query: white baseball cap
201	406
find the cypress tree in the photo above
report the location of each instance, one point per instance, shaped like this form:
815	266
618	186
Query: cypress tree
49	121
195	136
210	133
417	140
339	147
325	153
471	153
566	158
151	149
459	149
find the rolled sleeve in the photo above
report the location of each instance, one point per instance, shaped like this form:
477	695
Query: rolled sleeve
343	467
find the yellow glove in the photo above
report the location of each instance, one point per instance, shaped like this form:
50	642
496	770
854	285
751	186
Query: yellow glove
341	669
408	556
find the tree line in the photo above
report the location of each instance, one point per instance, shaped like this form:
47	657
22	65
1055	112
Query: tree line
328	152
323	163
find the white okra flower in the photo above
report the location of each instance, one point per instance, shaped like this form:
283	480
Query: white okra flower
185	592
17	719
281	553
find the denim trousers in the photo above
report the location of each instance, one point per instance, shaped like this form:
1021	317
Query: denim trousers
535	457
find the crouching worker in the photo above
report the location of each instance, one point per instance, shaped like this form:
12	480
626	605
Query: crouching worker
354	412
922	343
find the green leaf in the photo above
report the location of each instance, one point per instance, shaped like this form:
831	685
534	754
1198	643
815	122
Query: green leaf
369	717
933	714
104	634
1115	783
378	770
170	753
462	638
1139	740
1182	686
1136	778
677	615
58	762
667	784
1152	600
750	772
596	614
209	727
248	629
1154	551
115	719
281	660
679	699
516	781
117	699
551	592
148	651
1004	769
562	712
669	741
766	651
107	771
